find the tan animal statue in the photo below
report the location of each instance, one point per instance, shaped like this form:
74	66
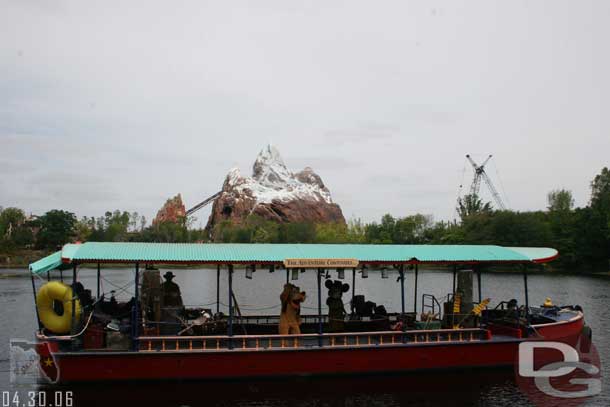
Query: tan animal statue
290	318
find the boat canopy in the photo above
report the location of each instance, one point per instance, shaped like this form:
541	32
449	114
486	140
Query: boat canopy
242	253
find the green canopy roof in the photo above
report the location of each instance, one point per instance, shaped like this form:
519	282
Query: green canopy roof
233	253
52	262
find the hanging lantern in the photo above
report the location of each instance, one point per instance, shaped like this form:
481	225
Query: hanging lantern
365	272
250	271
384	273
340	274
295	274
271	268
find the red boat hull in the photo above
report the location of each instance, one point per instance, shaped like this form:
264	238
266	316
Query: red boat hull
238	363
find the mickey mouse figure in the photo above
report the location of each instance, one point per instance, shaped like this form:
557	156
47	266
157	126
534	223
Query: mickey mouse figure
336	310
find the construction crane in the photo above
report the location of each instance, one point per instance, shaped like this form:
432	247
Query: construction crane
202	204
480	174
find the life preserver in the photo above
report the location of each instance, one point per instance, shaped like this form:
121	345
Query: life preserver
54	322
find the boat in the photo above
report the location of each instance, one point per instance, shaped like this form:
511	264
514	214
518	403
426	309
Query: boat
89	338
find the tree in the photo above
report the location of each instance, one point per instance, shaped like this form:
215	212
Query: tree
297	232
83	229
10	219
355	231
560	200
563	226
411	229
56	228
600	205
600	191
471	205
331	233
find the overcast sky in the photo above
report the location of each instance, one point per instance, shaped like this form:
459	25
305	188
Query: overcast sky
121	107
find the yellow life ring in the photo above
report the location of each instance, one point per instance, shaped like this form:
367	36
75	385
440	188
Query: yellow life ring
54	322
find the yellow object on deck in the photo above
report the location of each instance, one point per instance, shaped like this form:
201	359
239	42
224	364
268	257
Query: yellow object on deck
62	293
457	305
548	302
479	307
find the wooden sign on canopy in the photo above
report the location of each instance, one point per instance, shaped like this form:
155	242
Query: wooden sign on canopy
321	263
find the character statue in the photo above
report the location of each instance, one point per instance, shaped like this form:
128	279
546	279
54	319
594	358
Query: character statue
290	318
171	291
336	310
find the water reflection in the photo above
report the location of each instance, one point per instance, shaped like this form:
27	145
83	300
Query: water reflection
464	388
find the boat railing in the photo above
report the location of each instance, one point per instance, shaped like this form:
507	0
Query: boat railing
275	342
429	304
305	319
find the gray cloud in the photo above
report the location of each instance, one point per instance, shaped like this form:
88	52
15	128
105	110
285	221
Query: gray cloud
101	109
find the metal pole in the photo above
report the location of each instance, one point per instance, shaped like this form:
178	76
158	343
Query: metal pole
218	289
527	299
403	319
353	288
136	309
230	325
72	327
479	283
415	298
287	275
401	271
454	278
98	280
320	271
36	302
61	275
48	276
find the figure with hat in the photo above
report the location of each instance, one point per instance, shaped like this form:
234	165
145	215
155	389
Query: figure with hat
171	291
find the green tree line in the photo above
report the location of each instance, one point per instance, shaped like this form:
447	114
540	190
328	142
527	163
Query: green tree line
582	235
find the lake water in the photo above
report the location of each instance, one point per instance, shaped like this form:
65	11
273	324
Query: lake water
261	296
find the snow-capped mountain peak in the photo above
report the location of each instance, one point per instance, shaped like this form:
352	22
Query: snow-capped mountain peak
273	192
269	169
272	180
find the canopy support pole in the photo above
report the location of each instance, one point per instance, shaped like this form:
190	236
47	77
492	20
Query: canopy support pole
230	324
98	280
401	272
527	299
48	275
403	320
72	327
415	297
61	275
479	283
135	332
320	271
353	289
36	301
218	289
454	279
287	275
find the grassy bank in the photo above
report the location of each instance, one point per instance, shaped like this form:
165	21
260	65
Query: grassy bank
21	258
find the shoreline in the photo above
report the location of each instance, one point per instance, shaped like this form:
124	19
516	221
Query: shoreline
22	271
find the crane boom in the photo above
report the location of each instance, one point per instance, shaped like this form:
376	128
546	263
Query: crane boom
494	192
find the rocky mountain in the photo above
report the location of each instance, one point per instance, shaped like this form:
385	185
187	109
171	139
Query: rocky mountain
274	193
172	211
